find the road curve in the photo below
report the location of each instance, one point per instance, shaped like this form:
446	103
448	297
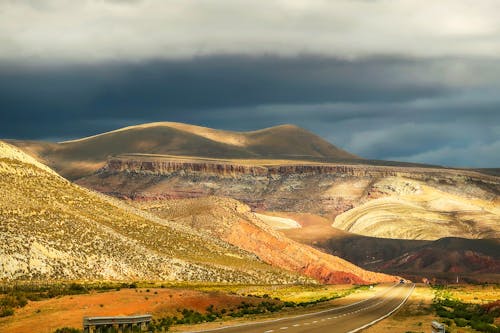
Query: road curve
345	319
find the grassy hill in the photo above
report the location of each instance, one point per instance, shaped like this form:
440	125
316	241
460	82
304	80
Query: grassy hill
52	229
77	158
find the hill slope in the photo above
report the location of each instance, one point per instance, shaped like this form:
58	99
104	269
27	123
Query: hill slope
233	222
410	209
52	229
479	259
77	158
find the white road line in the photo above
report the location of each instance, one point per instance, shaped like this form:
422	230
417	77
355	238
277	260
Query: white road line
270	331
283	328
296	325
384	316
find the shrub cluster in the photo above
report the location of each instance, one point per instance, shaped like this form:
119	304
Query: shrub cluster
17	295
11	301
465	314
68	330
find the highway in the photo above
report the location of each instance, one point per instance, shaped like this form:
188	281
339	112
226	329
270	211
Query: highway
345	319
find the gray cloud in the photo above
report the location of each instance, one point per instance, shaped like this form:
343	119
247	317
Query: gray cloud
474	155
97	30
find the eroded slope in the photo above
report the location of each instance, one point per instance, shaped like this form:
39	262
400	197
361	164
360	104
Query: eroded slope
52	229
409	209
233	222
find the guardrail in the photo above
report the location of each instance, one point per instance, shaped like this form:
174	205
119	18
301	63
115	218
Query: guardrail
119	324
438	327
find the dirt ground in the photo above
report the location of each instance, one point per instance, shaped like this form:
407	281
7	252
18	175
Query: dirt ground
68	311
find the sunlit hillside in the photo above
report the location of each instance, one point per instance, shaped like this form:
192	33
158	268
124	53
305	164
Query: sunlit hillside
52	229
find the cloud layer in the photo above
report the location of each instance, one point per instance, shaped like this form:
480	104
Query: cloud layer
97	30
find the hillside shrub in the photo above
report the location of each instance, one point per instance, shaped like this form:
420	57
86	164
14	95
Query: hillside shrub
6	311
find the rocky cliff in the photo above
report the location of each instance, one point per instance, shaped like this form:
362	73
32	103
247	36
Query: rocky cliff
464	199
142	164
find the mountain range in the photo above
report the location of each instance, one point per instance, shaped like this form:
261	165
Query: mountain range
283	201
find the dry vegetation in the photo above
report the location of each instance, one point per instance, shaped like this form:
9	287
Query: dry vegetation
52	229
187	302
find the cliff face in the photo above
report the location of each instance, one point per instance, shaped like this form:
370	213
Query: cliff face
159	167
450	202
326	189
226	169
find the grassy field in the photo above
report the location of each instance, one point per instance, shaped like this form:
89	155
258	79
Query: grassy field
57	305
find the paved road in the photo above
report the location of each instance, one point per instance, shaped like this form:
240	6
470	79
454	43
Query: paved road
346	319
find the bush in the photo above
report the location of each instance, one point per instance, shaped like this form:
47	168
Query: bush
68	330
461	322
6	311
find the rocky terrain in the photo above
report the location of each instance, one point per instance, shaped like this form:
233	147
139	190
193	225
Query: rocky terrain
381	201
387	216
53	229
233	222
474	259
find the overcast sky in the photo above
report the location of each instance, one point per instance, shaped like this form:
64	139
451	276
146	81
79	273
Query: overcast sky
406	80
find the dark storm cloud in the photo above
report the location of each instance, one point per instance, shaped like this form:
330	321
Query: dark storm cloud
379	107
181	89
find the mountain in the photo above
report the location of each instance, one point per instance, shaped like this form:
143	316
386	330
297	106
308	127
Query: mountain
377	214
53	229
78	158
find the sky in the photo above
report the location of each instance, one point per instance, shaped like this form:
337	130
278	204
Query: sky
406	80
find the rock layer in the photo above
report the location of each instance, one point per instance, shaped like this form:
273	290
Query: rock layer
382	201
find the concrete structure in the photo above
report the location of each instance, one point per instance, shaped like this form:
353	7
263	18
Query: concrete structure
116	324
